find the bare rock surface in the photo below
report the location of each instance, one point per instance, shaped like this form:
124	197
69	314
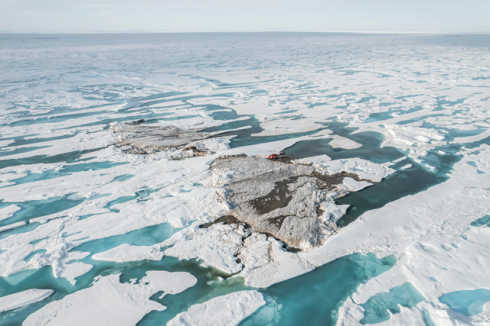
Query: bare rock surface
290	201
139	138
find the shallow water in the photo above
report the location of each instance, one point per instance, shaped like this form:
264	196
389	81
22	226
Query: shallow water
143	237
485	220
38	208
400	184
370	149
43	279
316	296
468	303
380	307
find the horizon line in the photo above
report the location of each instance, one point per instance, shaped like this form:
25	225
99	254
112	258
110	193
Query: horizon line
251	31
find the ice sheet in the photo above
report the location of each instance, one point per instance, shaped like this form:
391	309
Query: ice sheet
23	298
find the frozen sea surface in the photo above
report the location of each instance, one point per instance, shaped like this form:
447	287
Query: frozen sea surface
408	112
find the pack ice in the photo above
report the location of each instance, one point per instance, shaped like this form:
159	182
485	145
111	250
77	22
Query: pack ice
135	186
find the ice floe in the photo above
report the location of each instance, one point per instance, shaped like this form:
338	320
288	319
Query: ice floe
227	310
20	299
417	140
217	246
342	142
8	211
127	252
109	302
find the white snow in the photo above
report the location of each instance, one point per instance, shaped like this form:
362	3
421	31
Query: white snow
8	211
343	142
417	140
365	169
12	226
216	246
20	299
127	252
355	185
226	310
109	302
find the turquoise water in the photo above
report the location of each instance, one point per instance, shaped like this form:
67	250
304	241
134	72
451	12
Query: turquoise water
70	157
120	200
468	303
142	237
34	140
485	220
21	150
427	318
370	149
244	137
374	117
79	167
43	279
38	208
140	195
330	284
441	102
400	184
22	229
378	308
66	170
316	296
54	119
123	177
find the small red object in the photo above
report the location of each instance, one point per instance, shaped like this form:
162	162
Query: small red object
273	156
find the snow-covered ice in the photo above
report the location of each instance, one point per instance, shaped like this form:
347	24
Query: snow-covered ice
226	310
8	211
23	298
127	252
85	187
109	302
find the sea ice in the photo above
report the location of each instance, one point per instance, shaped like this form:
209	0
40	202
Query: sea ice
419	141
109	302
217	246
8	211
425	256
23	298
226	310
127	252
343	142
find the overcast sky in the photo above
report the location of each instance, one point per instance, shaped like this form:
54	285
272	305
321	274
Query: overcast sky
244	15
